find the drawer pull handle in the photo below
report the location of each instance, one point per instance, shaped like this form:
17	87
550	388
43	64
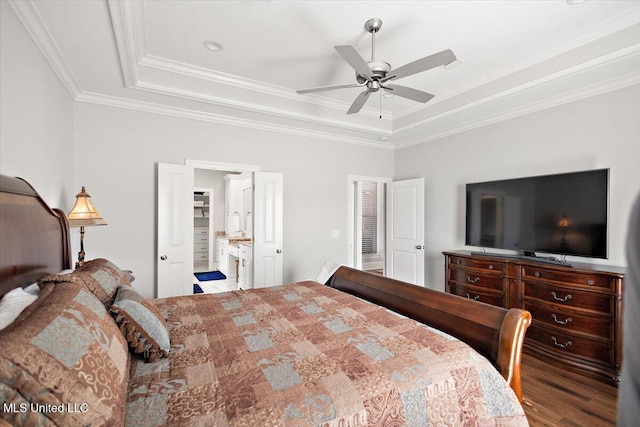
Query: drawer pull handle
563	299
561	322
474	280
490	266
557	344
476	298
537	274
590	282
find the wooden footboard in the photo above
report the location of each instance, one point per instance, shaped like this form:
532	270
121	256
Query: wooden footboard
495	332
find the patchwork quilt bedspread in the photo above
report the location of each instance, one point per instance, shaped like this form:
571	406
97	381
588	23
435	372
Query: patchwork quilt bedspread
306	354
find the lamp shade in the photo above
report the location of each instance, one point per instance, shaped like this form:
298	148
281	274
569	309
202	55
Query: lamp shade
83	213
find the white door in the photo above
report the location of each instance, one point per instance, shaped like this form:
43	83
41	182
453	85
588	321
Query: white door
175	230
358	226
267	229
405	231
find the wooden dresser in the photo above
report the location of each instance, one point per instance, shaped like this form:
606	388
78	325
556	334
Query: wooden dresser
577	310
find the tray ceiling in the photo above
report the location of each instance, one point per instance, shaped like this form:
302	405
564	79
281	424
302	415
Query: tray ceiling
516	57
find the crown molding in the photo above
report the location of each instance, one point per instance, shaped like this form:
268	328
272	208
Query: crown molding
193	71
32	21
272	112
571	72
184	113
560	47
545	104
126	38
128	26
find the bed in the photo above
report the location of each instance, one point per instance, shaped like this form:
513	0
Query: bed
358	350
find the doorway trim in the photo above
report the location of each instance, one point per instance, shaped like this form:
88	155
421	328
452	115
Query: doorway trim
351	212
221	166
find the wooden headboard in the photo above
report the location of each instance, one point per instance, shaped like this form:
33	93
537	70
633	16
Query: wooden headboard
34	239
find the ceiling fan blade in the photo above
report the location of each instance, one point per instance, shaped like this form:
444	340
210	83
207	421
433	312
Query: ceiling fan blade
320	89
409	93
351	55
428	62
359	102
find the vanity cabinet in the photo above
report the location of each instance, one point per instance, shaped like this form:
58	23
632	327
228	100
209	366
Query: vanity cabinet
222	252
244	268
576	310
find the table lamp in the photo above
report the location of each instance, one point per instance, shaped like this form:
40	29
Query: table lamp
84	214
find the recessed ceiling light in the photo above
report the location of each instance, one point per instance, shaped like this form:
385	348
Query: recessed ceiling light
573	2
213	46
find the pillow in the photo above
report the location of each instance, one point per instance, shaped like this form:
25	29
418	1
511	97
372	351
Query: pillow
100	276
326	271
64	351
12	304
141	323
32	289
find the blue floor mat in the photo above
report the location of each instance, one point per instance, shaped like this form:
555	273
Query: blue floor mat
210	275
197	289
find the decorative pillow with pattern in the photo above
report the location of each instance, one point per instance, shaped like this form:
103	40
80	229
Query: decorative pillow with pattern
100	276
141	323
64	360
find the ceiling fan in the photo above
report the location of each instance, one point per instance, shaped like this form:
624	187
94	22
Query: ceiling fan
376	75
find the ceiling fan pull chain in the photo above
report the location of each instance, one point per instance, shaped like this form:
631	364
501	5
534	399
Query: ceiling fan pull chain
380	104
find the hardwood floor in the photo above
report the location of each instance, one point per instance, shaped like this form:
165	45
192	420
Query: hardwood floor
555	397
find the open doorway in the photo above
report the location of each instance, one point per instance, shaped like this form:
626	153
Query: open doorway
222	242
175	227
252	212
397	238
367	223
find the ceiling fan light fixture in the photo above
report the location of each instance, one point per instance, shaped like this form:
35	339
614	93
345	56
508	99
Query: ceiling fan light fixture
375	75
213	46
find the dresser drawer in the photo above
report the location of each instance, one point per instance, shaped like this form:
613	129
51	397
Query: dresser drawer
201	247
477	279
200	231
581	303
559	296
200	238
570	322
478	263
200	256
570	345
588	280
478	294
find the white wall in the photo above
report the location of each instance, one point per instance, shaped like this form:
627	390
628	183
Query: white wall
116	152
598	132
36	116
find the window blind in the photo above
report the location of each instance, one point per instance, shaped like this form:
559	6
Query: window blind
369	218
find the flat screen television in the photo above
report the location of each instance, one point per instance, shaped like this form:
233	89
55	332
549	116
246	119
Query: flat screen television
562	214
